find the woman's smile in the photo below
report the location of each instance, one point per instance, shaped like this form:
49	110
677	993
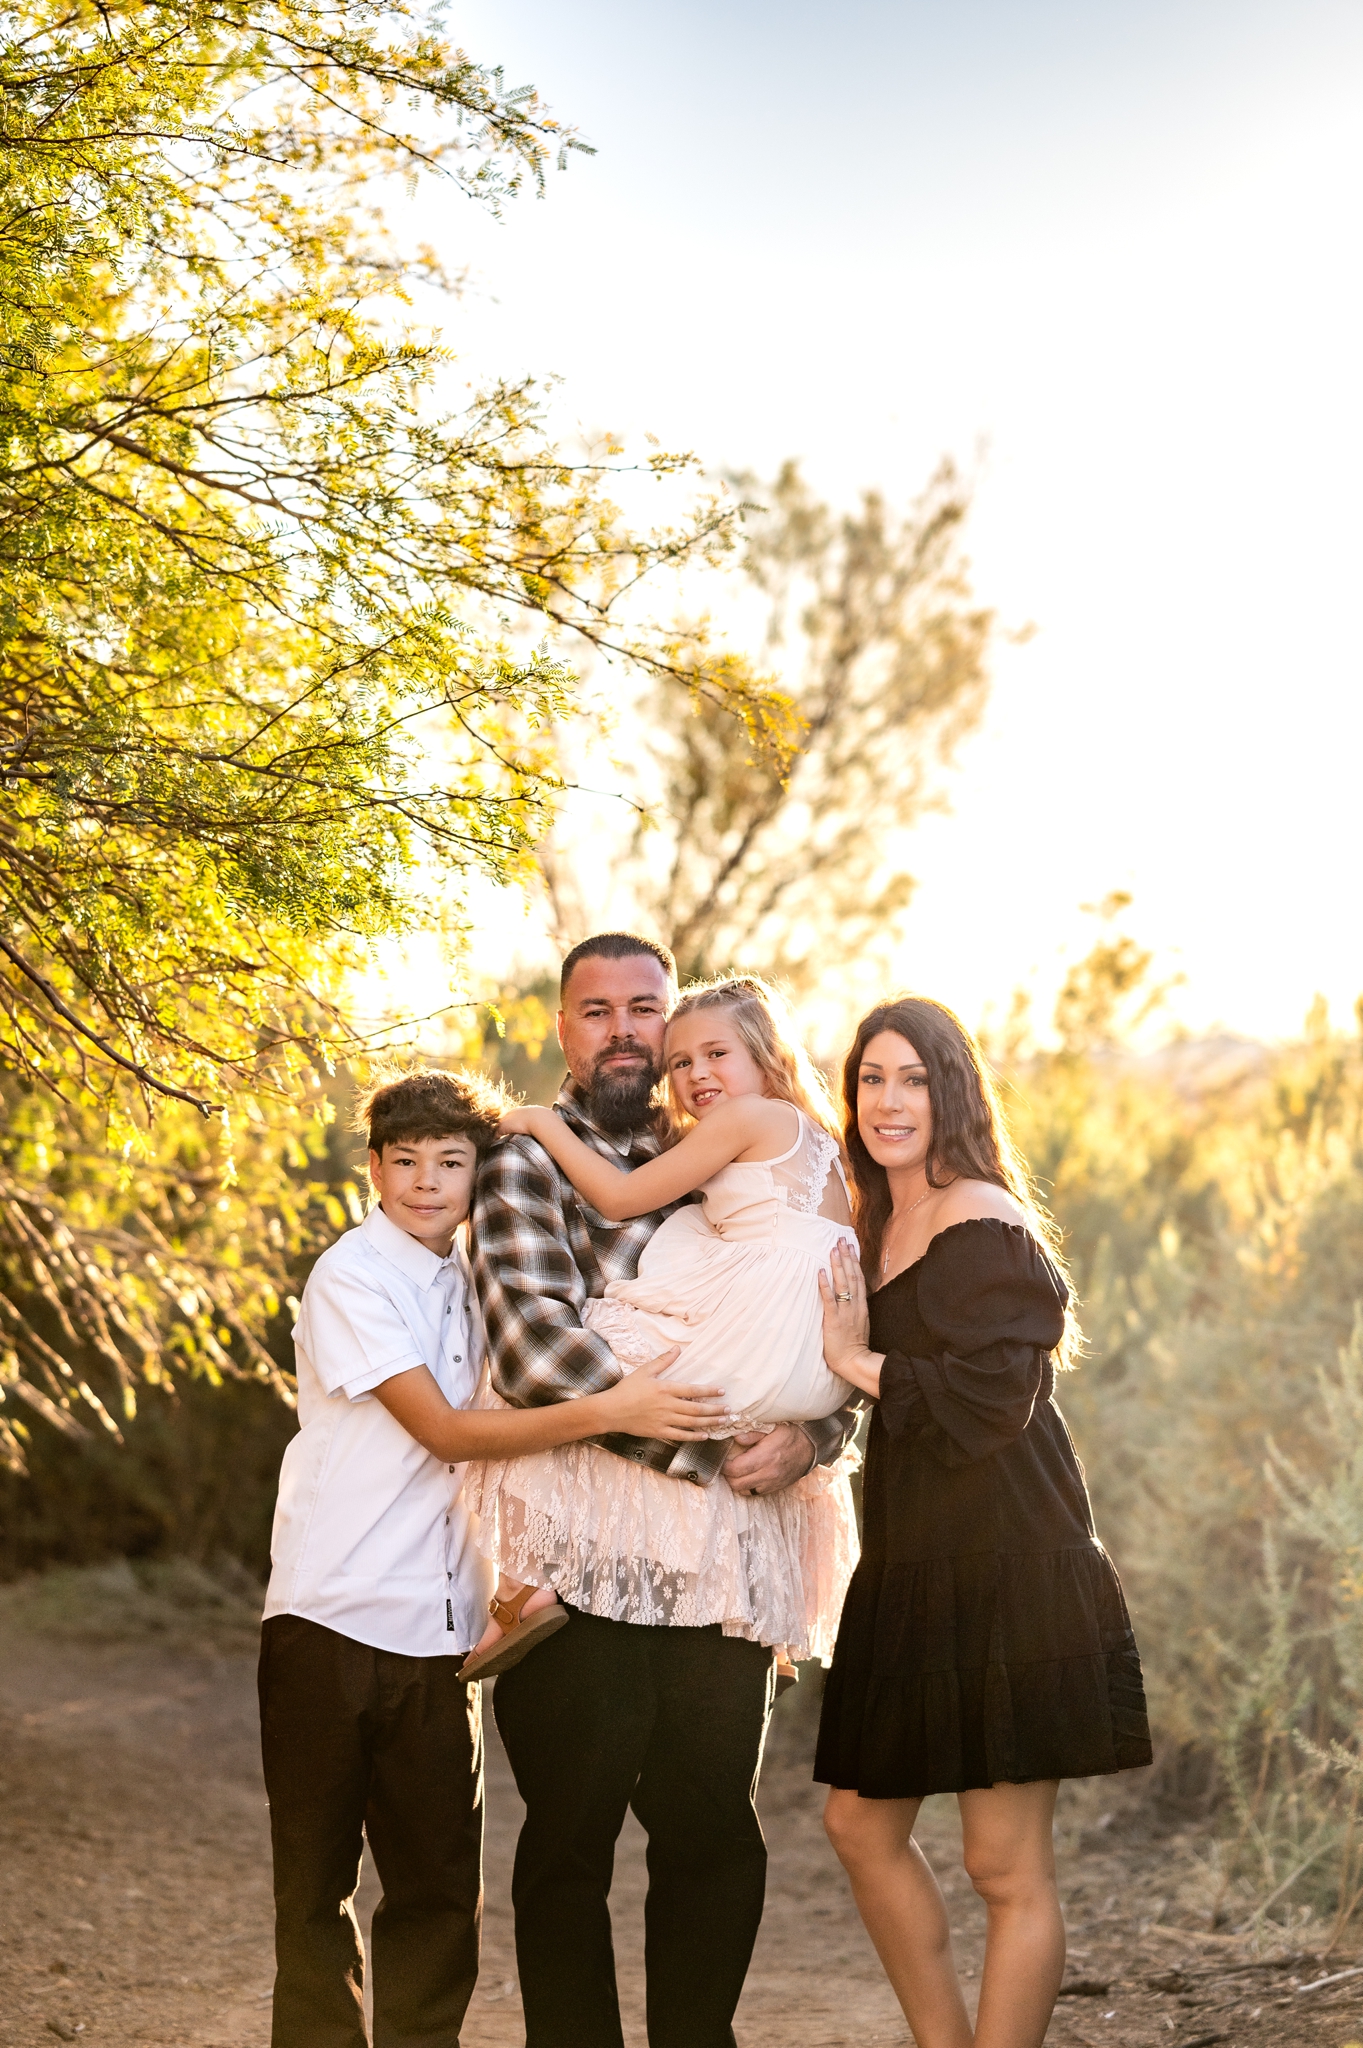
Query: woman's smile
893	1103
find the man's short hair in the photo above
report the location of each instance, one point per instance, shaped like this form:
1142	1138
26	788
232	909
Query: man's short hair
426	1102
615	946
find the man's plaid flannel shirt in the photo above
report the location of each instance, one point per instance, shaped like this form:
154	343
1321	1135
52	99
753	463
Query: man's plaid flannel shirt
539	1252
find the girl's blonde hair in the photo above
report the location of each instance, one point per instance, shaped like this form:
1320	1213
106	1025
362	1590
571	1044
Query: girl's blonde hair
762	1018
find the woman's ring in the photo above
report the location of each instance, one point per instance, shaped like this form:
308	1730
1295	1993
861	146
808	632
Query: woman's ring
843	1297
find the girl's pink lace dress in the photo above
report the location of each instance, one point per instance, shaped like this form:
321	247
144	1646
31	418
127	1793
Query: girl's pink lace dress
734	1281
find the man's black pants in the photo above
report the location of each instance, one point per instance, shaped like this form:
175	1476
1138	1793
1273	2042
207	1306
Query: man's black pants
361	1741
607	1715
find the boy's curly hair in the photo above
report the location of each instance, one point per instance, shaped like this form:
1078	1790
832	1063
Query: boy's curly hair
427	1102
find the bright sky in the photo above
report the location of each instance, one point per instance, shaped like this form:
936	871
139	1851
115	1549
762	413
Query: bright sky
1115	242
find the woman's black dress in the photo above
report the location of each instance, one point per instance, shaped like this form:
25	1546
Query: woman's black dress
985	1639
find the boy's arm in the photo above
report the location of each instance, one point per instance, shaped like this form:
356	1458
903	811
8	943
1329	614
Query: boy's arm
638	1405
360	1346
729	1130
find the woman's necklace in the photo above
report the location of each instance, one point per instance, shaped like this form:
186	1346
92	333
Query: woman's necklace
895	1222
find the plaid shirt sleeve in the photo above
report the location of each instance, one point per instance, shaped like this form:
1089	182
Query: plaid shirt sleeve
832	1433
530	1286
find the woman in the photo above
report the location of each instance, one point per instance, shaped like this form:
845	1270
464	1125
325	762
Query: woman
985	1647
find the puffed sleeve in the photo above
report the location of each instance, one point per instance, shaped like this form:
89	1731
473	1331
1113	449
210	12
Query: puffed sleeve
995	1305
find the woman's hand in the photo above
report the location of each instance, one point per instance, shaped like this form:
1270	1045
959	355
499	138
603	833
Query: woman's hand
847	1323
638	1405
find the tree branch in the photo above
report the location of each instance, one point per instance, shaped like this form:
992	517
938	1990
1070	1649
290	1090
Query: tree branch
64	1010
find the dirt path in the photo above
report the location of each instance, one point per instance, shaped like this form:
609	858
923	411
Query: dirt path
135	1892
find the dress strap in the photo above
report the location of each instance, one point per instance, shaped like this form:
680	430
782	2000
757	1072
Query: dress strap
800	1122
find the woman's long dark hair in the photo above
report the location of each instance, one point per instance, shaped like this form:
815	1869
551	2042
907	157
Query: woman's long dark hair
970	1135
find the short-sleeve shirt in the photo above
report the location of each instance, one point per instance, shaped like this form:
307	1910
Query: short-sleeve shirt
371	1534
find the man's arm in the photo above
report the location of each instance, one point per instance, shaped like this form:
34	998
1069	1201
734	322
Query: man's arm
529	1287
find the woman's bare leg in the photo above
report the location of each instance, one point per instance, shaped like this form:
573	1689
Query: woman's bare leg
1011	1863
905	1914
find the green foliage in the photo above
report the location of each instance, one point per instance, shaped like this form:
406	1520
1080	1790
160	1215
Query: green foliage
268	606
244	557
122	1277
1210	1198
519	1043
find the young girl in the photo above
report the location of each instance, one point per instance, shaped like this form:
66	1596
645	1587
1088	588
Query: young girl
733	1282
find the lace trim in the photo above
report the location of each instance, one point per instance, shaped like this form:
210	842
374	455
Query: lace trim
821	1151
782	1581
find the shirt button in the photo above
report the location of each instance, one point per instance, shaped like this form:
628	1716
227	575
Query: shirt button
459	1358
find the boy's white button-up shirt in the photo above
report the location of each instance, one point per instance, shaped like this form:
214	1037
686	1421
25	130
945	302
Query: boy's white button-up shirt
371	1534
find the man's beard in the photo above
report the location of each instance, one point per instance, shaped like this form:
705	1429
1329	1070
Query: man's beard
621	1098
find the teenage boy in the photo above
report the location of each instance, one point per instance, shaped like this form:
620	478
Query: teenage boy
378	1591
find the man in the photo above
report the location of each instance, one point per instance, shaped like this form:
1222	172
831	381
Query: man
606	1715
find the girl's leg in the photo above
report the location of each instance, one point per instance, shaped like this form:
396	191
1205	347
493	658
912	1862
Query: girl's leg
522	1617
1011	1863
507	1589
904	1911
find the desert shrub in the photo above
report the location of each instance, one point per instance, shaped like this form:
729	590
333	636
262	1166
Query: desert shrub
1212	1203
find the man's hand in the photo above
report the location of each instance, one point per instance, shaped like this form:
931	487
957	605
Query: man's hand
764	1463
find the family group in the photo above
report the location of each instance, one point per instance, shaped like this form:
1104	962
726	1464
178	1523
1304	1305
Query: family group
604	1457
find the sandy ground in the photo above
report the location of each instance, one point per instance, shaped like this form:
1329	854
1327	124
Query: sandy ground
135	1887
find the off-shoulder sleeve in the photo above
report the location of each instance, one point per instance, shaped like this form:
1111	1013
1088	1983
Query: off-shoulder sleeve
996	1306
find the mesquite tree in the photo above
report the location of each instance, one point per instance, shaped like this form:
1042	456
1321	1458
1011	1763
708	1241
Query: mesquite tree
262	678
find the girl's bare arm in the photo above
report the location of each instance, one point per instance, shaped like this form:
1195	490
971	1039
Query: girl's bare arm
730	1130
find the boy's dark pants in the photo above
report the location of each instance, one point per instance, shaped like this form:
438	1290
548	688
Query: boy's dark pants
607	1715
363	1741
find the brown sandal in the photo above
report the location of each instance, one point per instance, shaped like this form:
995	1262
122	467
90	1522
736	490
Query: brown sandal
786	1676
518	1637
